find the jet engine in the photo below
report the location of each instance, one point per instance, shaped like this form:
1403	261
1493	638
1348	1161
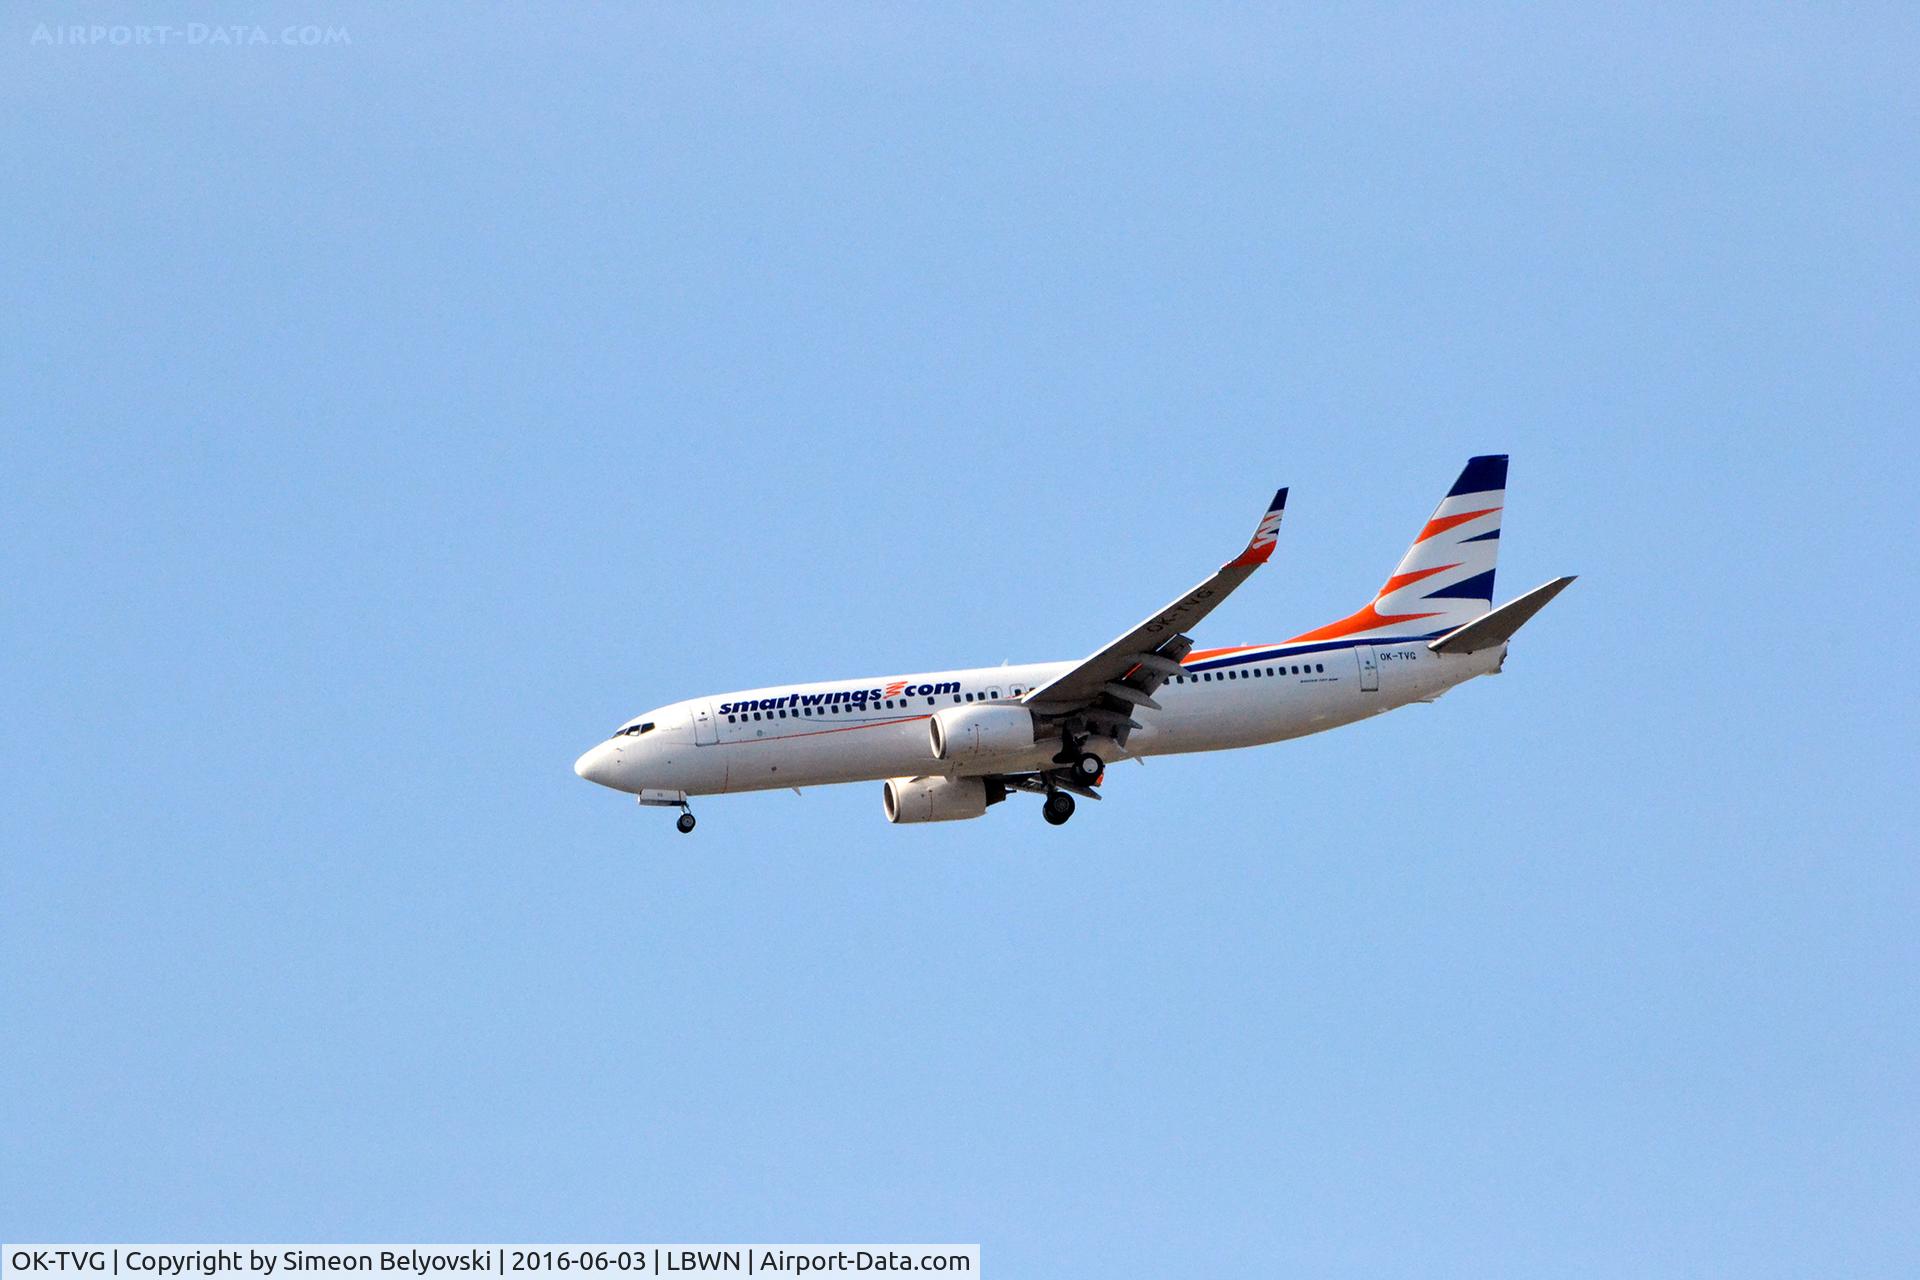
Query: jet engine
939	799
979	731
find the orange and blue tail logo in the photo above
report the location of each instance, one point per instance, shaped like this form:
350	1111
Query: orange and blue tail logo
1446	578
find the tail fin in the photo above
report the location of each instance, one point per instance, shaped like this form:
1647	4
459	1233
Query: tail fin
1446	578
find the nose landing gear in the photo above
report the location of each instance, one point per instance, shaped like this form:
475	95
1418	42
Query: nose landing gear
684	823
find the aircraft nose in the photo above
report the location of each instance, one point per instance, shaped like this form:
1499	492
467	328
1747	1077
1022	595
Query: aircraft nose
597	764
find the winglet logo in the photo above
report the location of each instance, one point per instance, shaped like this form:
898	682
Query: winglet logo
1260	548
1268	533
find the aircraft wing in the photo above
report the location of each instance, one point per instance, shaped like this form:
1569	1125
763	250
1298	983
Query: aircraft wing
1107	686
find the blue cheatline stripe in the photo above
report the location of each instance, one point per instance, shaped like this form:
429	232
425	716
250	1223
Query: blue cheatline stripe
1293	651
1488	471
1478	587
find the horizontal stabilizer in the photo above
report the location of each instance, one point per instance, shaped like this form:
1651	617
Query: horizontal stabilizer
1497	627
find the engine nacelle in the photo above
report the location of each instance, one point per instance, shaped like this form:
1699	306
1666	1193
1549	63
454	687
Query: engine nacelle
937	799
979	731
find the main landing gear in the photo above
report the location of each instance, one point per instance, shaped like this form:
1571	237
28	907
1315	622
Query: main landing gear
1057	808
1056	787
684	823
1083	766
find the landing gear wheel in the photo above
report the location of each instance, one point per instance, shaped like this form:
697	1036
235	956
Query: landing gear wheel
1087	768
1058	807
684	822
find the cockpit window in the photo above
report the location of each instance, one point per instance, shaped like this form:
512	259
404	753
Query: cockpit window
633	730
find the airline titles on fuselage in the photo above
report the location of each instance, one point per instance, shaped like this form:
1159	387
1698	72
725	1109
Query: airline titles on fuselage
859	697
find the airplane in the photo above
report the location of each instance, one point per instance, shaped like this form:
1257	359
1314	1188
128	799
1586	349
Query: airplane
948	745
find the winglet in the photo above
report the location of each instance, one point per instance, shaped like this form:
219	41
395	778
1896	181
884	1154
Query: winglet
1260	547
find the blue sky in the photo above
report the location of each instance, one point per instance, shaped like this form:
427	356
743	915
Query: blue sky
388	421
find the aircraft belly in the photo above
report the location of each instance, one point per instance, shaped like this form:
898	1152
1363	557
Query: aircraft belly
1276	713
822	758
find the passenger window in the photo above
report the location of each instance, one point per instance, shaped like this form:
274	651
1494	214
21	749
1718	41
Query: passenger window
1319	666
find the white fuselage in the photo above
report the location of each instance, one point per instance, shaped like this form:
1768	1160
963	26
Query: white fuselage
866	730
